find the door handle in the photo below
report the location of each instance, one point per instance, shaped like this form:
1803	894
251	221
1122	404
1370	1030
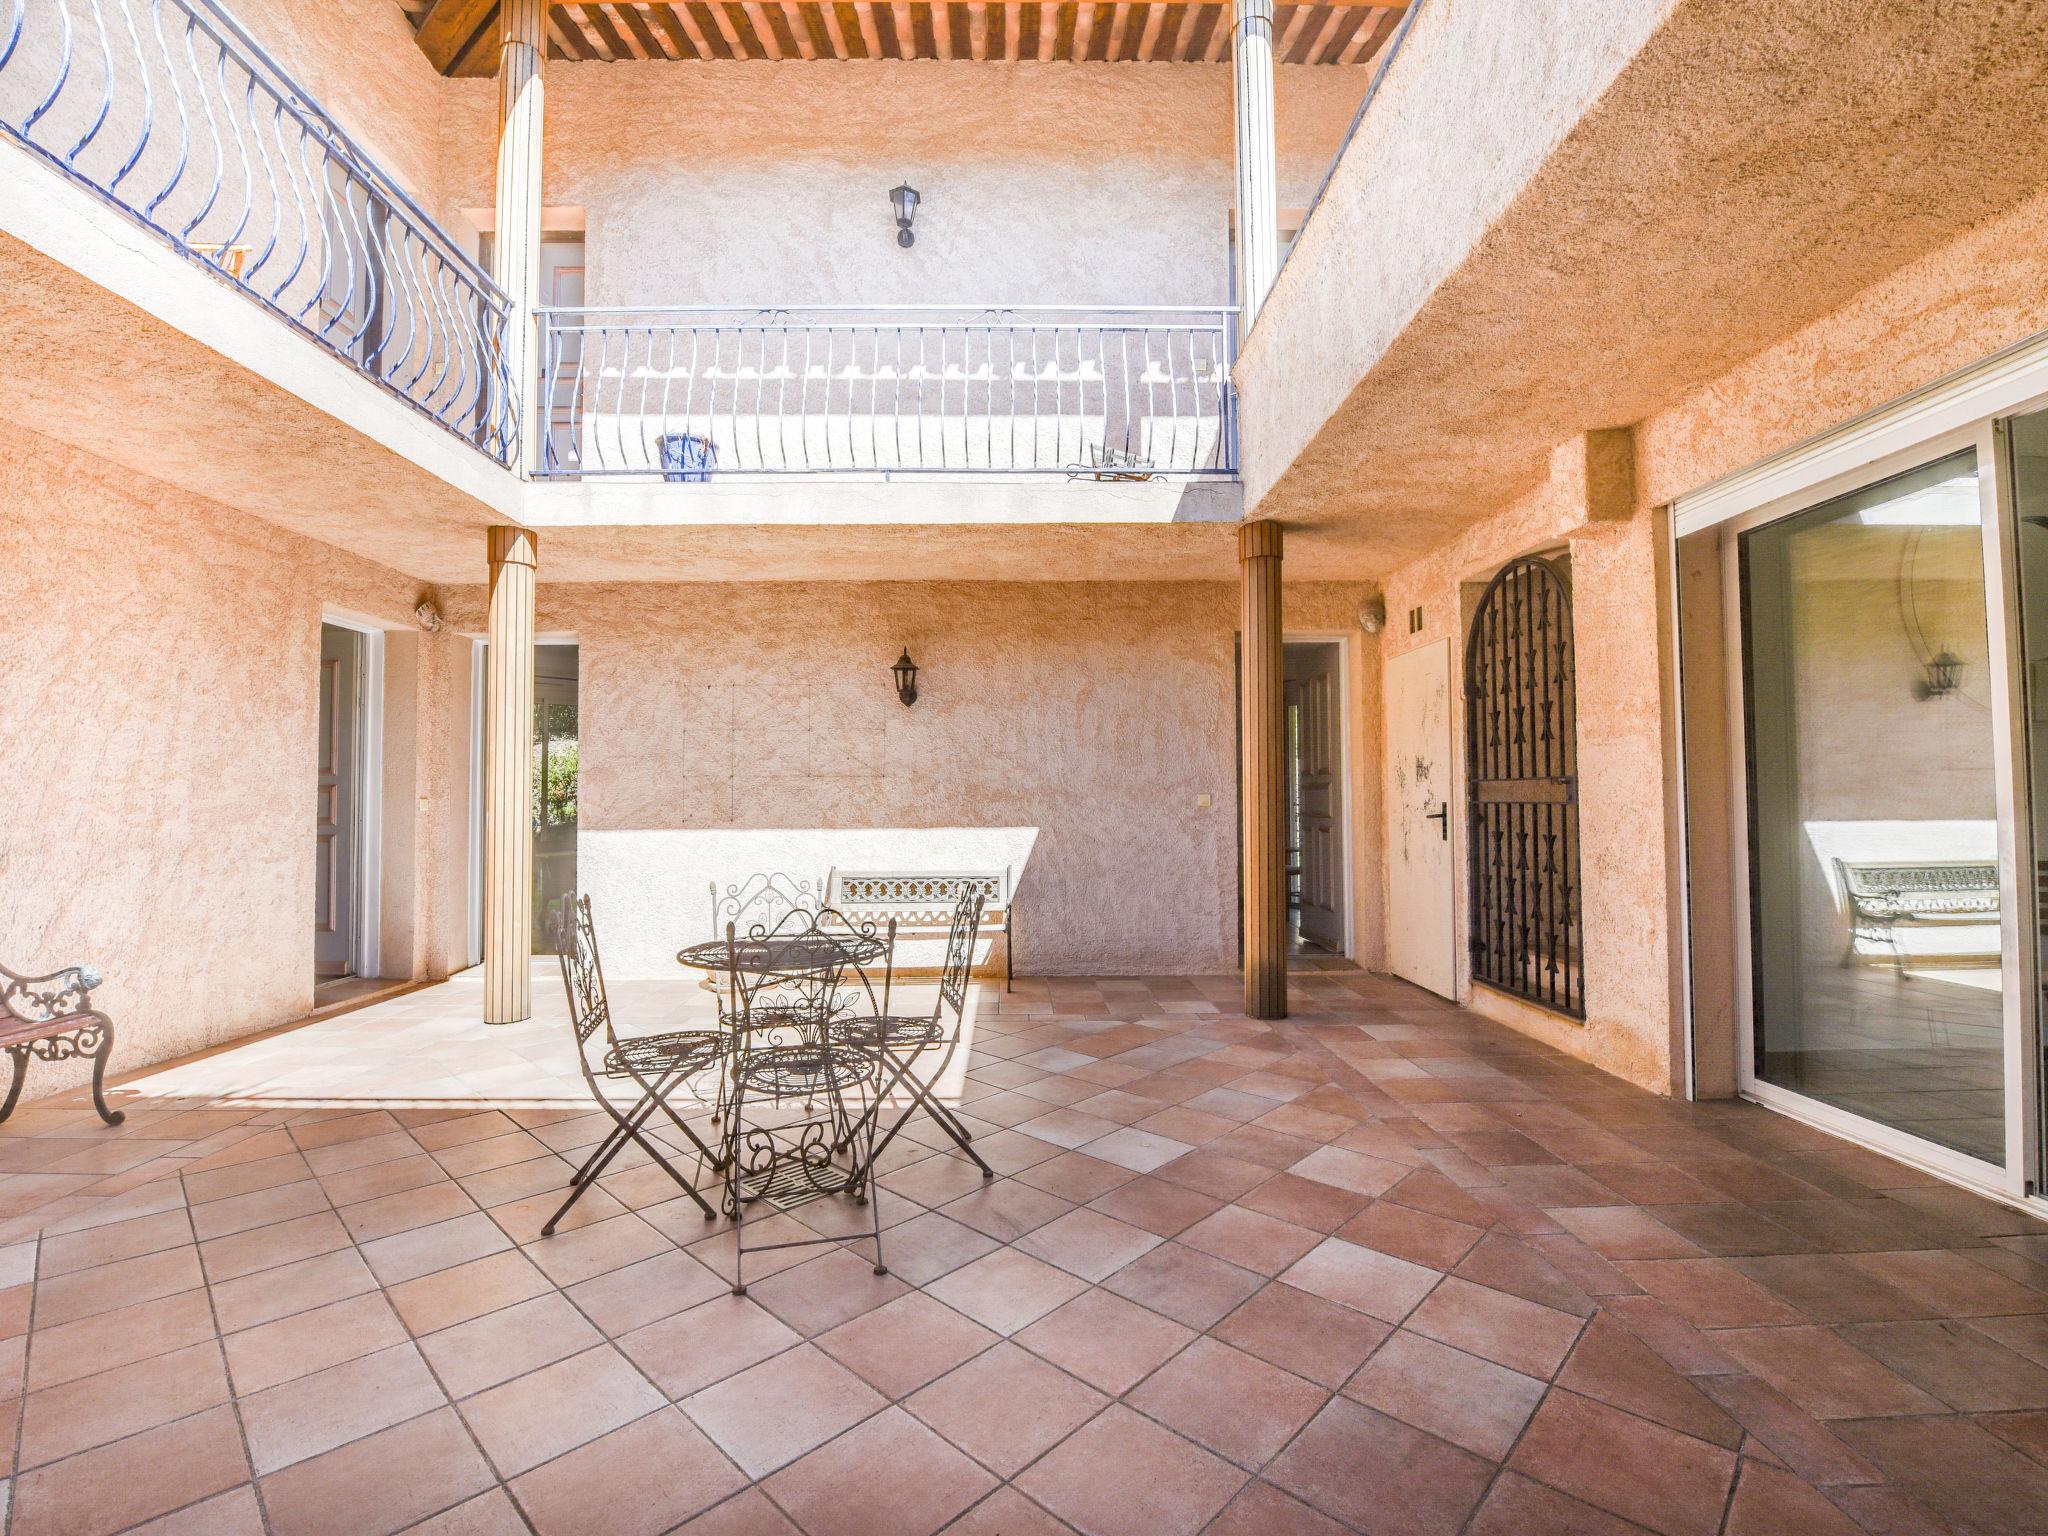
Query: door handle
1442	817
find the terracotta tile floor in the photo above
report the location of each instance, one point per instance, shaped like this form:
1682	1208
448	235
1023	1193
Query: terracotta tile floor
1381	1268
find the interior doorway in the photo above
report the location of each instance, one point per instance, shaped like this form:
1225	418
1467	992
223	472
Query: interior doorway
1318	867
556	776
338	842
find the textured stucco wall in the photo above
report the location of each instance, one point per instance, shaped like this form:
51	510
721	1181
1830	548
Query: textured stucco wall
768	183
1654	191
1623	868
157	737
1066	729
360	62
1969	298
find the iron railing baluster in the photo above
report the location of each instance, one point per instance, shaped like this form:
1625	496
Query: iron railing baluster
390	292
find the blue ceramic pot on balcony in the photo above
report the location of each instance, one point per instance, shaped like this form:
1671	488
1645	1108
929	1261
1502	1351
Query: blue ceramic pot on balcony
686	457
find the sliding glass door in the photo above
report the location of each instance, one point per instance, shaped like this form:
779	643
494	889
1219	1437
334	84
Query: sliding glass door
1877	963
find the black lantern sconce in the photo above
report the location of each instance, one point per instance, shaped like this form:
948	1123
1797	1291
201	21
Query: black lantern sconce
904	200
1944	673
905	672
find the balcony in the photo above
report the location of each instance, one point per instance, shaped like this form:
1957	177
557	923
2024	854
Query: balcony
692	394
170	112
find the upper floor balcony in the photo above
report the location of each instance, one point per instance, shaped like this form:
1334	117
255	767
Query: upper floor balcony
686	395
172	113
1057	347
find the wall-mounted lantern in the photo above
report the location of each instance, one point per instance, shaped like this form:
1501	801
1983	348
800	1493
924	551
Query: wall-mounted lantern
903	199
905	671
1944	672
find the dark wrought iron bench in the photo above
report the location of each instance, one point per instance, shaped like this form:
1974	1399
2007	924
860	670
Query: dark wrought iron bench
1882	897
51	1017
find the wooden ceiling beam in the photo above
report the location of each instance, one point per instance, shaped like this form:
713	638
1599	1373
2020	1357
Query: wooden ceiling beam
449	25
458	36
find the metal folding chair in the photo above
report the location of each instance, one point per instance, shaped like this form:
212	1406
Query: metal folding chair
902	1038
798	1094
657	1064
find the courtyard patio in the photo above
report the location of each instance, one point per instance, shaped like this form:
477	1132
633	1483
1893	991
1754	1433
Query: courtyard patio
1382	1267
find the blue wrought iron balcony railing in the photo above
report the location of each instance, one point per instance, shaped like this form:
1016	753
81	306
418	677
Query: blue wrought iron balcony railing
172	113
693	394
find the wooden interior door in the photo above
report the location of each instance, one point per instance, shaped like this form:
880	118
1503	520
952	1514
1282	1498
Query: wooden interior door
336	802
1314	683
1421	932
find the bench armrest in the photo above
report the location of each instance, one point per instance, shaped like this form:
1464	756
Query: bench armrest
41	999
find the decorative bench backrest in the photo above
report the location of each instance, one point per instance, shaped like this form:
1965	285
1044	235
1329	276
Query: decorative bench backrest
917	901
1914	890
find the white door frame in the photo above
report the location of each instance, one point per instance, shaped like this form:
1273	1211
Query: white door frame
367	946
477	643
1345	758
1887	456
474	948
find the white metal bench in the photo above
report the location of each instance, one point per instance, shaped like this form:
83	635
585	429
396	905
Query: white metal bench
1884	896
922	902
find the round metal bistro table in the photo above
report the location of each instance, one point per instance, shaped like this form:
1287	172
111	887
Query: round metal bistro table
783	954
788	1175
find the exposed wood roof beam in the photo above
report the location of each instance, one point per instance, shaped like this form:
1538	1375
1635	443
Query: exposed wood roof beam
449	25
459	36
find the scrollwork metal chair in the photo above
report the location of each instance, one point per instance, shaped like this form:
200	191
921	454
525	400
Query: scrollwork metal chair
658	1065
902	1038
799	1095
754	907
51	1018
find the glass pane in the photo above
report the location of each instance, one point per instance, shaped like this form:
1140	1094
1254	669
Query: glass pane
1876	963
556	772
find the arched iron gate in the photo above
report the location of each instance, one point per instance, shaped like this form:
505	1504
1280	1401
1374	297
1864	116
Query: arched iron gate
1522	766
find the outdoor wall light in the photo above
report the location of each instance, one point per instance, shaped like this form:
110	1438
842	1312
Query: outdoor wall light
1944	672
906	678
903	199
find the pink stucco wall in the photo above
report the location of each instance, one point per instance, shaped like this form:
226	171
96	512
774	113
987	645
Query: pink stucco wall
157	738
1963	301
1072	729
761	183
359	60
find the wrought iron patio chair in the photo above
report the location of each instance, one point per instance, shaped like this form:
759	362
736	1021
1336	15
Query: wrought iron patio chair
50	1017
753	906
658	1065
903	1038
799	1094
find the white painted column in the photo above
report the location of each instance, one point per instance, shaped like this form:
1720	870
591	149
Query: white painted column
1258	174
508	778
522	97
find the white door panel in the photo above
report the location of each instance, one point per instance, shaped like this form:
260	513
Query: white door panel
1421	934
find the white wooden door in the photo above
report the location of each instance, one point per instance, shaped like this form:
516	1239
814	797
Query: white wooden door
1421	931
1314	683
335	803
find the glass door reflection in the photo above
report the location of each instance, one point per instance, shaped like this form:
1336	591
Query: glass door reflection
1876	950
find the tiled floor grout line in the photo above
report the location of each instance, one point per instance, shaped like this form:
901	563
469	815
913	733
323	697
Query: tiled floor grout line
28	1345
1501	1464
1712	1131
227	1373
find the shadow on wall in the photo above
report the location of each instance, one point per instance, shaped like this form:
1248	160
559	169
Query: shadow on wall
652	890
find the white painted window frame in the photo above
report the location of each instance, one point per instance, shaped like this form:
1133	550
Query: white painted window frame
1966	410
